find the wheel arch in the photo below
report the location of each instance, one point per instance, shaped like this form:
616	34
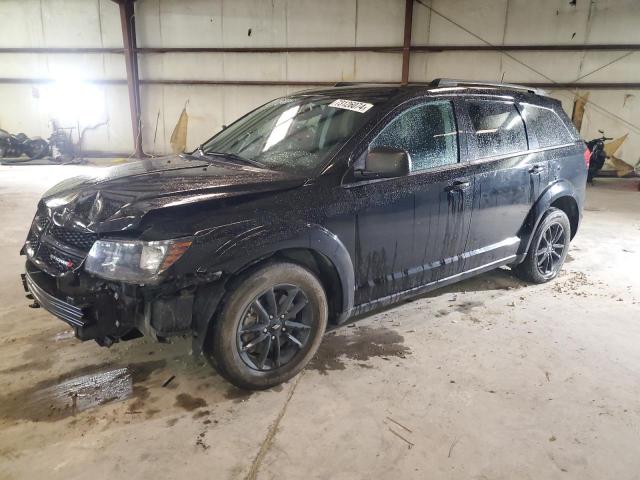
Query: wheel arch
312	246
321	266
561	195
322	252
569	206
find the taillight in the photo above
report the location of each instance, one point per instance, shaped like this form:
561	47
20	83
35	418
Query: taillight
587	157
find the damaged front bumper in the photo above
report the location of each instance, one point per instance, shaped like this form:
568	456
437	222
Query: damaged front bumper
108	312
65	311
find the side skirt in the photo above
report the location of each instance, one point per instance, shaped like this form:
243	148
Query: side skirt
412	292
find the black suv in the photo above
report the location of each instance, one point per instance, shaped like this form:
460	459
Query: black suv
306	211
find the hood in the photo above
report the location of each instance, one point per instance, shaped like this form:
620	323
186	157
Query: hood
116	198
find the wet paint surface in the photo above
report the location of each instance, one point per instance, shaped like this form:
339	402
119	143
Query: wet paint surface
78	391
383	237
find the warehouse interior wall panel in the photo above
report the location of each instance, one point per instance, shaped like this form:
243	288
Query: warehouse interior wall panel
299	23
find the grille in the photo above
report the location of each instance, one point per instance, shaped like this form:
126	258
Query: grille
32	237
57	260
42	221
79	240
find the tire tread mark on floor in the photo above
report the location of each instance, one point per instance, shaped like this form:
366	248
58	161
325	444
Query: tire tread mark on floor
273	429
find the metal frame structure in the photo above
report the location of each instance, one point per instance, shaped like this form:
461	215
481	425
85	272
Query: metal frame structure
131	51
128	24
346	49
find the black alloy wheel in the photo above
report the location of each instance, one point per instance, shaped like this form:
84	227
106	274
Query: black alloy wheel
550	250
270	326
275	327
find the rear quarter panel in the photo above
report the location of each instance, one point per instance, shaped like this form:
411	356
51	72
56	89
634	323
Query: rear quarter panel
567	177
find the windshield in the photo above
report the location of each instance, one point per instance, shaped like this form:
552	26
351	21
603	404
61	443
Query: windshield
294	135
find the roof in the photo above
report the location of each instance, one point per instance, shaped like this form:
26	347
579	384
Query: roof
391	89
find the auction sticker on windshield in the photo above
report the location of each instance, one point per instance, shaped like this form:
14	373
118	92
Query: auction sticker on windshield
351	105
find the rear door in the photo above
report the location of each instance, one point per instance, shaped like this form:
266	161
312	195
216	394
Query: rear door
508	179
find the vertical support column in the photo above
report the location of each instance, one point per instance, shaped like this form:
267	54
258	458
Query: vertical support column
128	24
406	45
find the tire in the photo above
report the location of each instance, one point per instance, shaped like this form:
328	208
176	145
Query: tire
37	149
555	222
256	349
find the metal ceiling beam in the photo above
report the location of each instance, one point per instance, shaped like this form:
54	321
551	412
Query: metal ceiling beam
406	43
64	50
128	24
526	48
378	49
305	83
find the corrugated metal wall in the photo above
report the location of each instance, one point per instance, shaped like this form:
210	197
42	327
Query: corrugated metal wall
296	23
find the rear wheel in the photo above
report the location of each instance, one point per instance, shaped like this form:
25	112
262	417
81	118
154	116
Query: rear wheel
270	326
548	249
37	148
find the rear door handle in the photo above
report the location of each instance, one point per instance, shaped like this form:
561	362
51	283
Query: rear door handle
457	186
536	169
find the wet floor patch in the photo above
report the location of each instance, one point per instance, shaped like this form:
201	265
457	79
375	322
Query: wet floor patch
237	395
467	306
86	388
499	279
189	403
359	344
464	308
201	413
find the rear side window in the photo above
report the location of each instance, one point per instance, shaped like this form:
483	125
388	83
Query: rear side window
498	128
427	132
546	125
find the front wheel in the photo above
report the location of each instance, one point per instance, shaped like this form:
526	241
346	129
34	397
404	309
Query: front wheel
548	249
270	326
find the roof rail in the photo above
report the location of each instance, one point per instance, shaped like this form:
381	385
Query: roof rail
450	82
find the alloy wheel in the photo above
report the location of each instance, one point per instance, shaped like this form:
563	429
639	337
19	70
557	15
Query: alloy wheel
550	249
275	327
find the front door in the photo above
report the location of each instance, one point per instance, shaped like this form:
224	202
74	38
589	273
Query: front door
412	230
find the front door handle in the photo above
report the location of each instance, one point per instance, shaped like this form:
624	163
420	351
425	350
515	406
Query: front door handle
536	169
457	186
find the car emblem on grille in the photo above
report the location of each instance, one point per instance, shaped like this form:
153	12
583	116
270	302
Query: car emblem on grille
61	261
58	218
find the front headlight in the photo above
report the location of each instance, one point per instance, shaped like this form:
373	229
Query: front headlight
133	261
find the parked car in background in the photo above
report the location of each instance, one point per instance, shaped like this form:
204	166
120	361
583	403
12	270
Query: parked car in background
309	210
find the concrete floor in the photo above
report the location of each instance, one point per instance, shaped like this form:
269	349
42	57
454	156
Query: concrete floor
488	379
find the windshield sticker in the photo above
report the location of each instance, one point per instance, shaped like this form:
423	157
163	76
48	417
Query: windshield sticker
360	107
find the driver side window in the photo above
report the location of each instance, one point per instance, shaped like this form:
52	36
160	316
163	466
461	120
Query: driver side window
427	132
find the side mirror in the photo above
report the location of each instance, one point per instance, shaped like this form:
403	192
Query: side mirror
386	162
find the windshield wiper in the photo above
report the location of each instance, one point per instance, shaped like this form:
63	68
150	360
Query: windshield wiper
230	156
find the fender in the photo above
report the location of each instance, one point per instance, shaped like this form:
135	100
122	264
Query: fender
265	241
561	188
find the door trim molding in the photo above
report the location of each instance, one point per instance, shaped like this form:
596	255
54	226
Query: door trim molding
393	298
